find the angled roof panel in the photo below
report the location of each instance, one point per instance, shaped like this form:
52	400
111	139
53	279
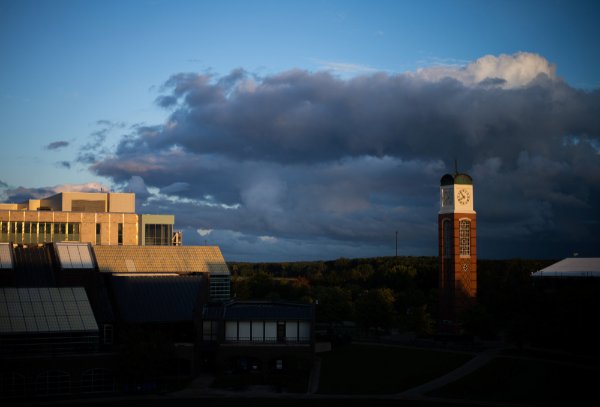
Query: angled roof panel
6	261
571	267
73	255
160	259
22	312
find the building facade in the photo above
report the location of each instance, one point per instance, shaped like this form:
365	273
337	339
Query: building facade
77	319
101	218
457	250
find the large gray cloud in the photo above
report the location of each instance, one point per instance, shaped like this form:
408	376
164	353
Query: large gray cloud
304	157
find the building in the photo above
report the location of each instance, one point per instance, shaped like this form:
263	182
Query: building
570	268
261	341
78	319
99	218
457	250
95	299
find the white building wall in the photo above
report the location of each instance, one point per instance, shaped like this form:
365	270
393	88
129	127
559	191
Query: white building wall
244	330
231	331
271	331
291	331
304	331
257	331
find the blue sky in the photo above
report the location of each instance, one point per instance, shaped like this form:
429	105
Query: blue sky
87	75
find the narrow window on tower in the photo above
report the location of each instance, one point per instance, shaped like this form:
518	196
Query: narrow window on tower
120	235
98	228
448	238
465	238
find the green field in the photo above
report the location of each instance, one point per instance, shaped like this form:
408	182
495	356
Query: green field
526	381
379	369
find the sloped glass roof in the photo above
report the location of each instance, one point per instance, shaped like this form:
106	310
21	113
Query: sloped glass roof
74	255
45	309
5	257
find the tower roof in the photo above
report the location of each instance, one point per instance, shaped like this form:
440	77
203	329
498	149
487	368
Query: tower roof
457	178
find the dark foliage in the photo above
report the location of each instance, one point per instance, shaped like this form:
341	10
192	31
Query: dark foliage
382	293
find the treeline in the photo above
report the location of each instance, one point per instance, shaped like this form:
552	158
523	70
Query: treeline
401	293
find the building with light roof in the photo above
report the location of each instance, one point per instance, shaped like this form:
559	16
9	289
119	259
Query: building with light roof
572	267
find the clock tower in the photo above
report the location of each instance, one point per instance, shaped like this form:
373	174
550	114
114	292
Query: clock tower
457	250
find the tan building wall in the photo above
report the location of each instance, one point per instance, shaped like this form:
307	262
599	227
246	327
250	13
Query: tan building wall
109	224
9	206
68	201
74	216
121	202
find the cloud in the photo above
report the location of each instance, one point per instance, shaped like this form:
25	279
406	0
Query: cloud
347	68
506	71
64	164
55	145
204	232
305	157
95	149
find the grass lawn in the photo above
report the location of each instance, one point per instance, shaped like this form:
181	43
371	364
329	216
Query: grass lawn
374	369
525	381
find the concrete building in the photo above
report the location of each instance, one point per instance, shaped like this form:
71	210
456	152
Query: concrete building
99	218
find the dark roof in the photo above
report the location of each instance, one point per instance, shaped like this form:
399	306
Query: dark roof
253	310
32	266
156	298
45	309
457	178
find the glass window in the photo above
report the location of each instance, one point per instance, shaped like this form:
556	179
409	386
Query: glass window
120	234
465	238
3	231
60	232
448	238
158	234
108	334
97	381
98	229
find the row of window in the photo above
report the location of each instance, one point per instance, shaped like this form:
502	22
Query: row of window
259	331
158	234
47	232
56	382
220	287
39	232
464	234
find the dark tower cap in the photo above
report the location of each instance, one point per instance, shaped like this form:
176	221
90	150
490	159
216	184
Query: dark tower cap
458	178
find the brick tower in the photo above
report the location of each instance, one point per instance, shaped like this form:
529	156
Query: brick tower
457	250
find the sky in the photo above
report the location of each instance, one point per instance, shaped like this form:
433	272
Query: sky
312	130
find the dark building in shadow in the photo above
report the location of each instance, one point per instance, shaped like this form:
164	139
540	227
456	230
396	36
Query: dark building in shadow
83	320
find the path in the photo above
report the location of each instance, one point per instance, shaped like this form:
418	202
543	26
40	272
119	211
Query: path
469	367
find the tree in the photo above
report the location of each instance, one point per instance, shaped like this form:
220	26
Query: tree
375	309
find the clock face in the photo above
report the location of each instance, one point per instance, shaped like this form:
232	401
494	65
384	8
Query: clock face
463	196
